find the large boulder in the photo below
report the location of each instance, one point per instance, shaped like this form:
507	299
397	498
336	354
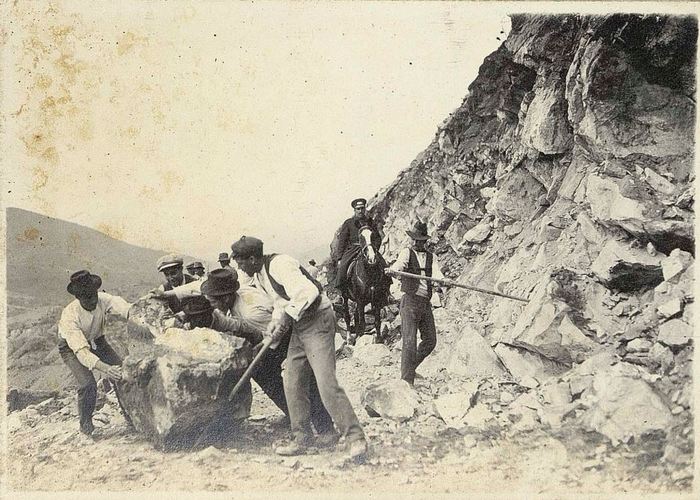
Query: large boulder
175	385
622	406
394	399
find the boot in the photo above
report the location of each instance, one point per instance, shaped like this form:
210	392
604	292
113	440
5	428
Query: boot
297	446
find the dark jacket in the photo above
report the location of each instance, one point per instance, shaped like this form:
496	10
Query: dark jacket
349	236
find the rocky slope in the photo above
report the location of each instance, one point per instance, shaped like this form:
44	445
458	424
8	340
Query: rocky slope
565	176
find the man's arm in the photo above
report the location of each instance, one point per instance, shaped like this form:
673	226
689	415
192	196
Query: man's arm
116	305
236	326
402	261
69	330
301	291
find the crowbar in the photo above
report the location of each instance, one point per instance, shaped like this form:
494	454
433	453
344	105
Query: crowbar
454	283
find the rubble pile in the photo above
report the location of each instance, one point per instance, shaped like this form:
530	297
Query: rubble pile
565	176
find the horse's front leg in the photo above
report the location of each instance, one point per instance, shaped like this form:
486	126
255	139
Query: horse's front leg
377	312
360	319
349	337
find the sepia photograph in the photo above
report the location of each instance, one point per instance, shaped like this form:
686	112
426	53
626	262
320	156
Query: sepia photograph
351	249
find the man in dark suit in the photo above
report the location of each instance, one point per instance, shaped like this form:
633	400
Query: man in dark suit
348	242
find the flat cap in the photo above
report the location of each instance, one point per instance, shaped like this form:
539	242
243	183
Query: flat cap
358	202
195	265
246	246
223	257
170	260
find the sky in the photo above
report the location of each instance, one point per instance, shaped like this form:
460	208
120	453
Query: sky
183	126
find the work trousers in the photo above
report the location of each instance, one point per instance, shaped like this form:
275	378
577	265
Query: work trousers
416	315
312	352
87	387
268	375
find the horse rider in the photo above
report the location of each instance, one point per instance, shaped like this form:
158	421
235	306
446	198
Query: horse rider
416	310
302	308
348	242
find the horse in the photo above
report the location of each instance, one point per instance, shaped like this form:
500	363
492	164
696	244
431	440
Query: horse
365	286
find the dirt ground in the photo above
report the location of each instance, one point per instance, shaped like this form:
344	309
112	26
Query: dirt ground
419	457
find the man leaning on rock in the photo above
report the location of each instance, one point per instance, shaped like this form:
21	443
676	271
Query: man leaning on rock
83	346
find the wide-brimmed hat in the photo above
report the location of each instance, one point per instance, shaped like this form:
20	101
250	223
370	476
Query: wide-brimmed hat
358	202
224	257
170	260
220	282
197	305
195	265
83	281
419	232
246	246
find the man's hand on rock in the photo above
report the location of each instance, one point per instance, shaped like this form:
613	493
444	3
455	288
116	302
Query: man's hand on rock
157	294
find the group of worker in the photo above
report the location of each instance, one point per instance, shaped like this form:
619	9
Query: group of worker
276	299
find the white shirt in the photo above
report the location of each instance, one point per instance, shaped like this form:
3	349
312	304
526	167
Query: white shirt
80	328
402	263
301	291
252	305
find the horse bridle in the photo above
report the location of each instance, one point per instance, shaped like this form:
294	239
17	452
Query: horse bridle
366	244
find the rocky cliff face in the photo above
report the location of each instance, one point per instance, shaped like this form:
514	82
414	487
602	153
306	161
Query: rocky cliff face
565	176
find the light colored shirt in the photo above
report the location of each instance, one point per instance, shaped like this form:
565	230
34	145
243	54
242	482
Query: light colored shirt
80	328
402	263
252	304
301	291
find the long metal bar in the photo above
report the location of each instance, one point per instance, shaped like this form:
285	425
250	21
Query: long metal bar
458	285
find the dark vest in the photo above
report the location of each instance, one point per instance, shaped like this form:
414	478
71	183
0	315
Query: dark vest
175	303
410	285
279	289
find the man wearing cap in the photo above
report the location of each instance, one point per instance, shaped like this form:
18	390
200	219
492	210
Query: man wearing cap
171	267
196	270
416	310
82	346
348	243
225	260
302	310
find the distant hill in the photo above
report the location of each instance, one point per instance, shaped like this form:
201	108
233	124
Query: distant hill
42	252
